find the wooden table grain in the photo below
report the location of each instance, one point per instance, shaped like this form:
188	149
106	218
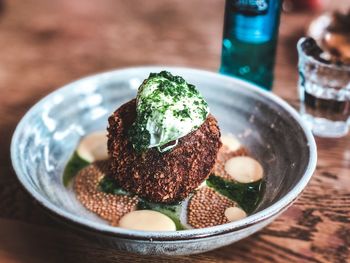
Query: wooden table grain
45	44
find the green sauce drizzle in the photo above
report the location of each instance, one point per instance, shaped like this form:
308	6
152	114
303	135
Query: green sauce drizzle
74	165
110	186
172	211
247	195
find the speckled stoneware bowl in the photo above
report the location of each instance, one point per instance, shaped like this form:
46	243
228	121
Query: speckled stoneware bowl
272	131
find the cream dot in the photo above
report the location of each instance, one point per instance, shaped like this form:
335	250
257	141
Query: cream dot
147	220
93	147
234	213
231	142
244	169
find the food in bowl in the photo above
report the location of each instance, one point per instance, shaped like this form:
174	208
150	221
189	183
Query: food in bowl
164	165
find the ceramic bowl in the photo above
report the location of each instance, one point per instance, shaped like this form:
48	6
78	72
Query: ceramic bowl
272	131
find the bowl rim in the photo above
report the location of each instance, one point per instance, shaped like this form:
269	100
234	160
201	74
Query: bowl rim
256	218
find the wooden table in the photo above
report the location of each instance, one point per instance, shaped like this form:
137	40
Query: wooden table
45	44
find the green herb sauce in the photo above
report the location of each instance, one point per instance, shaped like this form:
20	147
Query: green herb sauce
172	211
110	186
74	165
247	195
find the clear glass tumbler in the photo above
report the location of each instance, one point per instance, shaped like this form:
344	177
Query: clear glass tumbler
324	90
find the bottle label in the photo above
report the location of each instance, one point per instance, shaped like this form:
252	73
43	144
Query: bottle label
250	7
253	21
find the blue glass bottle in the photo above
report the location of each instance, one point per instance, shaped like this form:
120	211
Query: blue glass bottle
250	39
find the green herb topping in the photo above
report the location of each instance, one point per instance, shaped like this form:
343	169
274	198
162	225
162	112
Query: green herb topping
168	108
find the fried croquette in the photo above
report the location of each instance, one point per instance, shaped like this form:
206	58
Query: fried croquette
161	177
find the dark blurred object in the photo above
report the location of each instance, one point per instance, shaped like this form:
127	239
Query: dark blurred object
332	33
340	22
310	48
2	6
299	5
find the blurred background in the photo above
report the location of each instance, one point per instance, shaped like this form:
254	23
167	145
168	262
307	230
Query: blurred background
49	43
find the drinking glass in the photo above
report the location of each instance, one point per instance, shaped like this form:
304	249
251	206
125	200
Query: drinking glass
324	90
